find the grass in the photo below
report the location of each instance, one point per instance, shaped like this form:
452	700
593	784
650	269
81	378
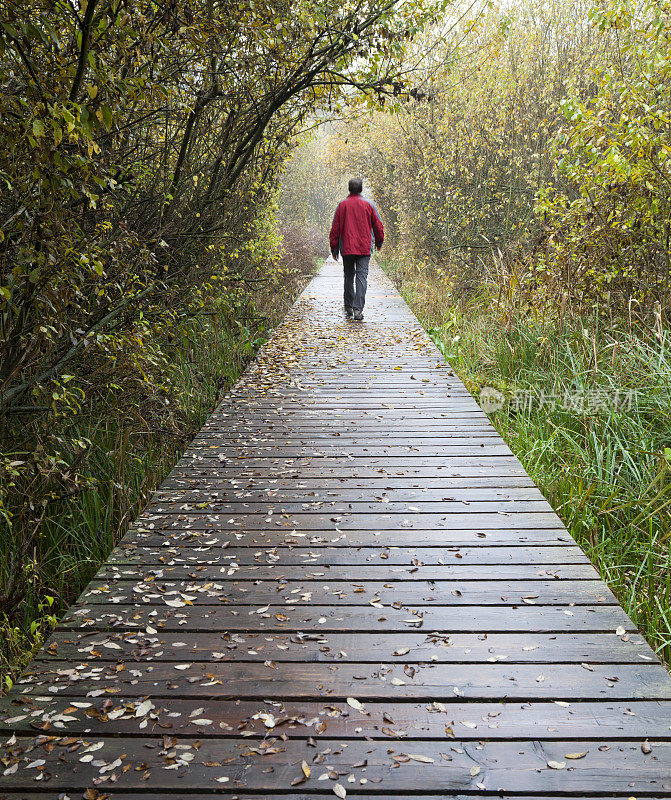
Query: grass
128	459
604	466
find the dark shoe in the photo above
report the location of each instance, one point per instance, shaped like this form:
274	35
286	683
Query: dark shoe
358	315
348	311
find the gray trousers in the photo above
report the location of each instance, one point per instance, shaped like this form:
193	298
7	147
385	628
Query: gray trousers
356	280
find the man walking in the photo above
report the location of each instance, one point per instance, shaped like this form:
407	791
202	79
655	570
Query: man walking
356	226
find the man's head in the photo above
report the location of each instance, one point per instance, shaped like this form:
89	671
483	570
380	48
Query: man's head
355	186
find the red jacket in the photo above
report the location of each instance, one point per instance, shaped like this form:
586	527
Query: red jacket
354	220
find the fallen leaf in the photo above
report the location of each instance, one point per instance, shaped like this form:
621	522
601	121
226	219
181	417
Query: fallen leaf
144	708
354	703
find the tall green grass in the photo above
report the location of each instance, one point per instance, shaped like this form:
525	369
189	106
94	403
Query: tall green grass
605	468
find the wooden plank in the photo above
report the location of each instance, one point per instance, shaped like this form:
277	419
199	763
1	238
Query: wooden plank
431	466
253	391
495	467
488	446
212	569
444	396
474	445
444	593
277	617
314	555
332	429
113	794
149	534
374	396
466	721
518	766
238	480
164	517
285	680
411	506
453	405
302	647
321	494
350	440
409	419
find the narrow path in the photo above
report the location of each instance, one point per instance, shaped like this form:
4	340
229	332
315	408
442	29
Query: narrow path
348	586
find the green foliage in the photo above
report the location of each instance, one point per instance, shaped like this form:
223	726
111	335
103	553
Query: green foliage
457	167
608	219
537	140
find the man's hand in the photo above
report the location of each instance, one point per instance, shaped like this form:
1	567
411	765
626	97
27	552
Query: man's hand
378	246
334	253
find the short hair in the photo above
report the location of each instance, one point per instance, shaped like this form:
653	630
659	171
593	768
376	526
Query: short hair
355	186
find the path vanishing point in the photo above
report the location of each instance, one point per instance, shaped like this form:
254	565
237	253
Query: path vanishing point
349	587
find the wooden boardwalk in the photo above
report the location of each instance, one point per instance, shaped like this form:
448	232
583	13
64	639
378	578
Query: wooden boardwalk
348	586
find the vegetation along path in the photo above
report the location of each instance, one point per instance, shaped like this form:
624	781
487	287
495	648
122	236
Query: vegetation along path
347	586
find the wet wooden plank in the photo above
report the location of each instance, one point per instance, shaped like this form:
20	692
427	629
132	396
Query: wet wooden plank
488	446
252	494
238	481
167	517
162	536
376	509
226	430
464	619
309	646
429	682
499	466
328	555
112	793
212	569
520	767
443	593
466	721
